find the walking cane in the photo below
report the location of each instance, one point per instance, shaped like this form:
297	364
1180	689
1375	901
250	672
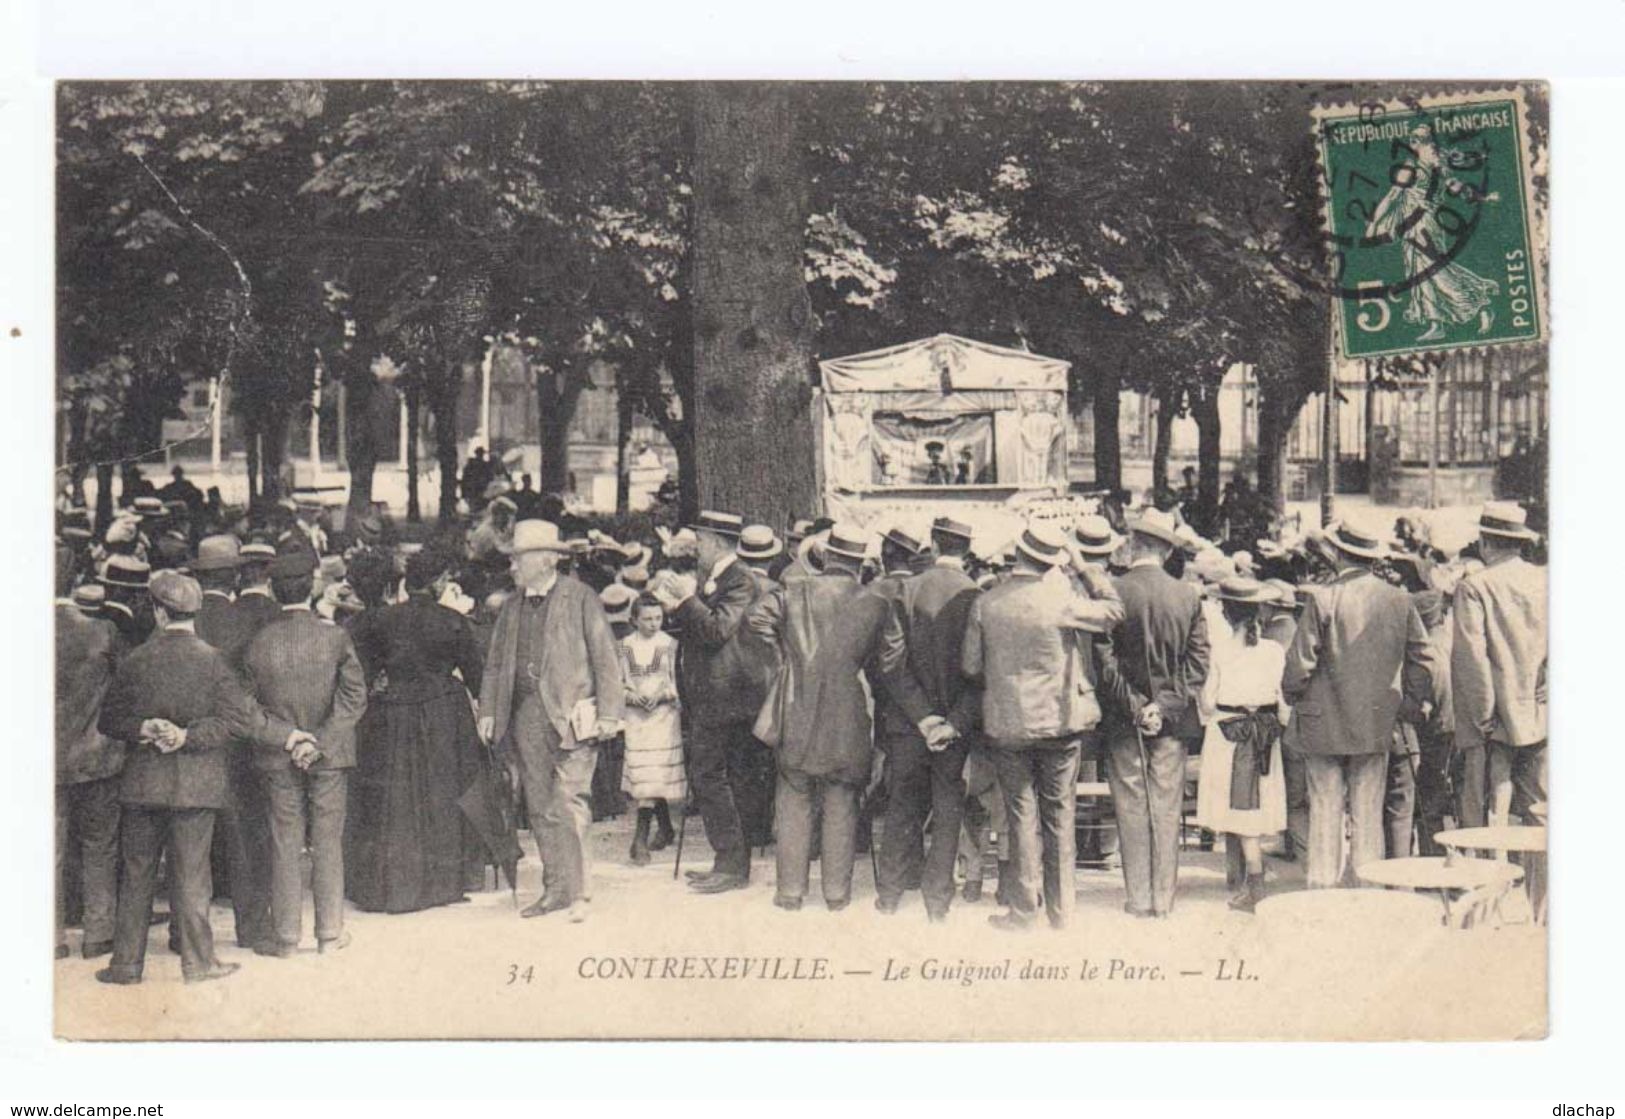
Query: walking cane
682	831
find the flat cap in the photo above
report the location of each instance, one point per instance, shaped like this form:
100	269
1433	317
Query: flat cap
177	593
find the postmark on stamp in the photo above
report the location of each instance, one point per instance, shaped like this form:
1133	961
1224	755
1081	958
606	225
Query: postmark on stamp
1428	218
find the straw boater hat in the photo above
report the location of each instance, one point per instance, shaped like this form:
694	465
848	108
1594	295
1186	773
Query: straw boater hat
1044	543
89	597
537	536
1239	588
904	540
1355	542
125	571
617	602
1286	595
724	524
1095	537
950	527
758	542
176	593
636	554
256	551
1506	519
1158	525
847	540
217	552
635	577
148	507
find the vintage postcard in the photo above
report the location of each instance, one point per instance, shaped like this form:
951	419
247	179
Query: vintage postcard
734	560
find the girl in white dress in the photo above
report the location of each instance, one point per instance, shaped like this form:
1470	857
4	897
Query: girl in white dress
1242	789
653	775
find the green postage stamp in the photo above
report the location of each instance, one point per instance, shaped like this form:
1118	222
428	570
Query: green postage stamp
1429	215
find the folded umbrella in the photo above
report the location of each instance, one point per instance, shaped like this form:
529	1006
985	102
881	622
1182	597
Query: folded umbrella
487	804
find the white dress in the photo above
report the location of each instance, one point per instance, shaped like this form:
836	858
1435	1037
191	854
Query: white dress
1240	675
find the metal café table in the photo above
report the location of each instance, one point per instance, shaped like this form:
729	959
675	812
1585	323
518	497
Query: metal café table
1523	839
1481	881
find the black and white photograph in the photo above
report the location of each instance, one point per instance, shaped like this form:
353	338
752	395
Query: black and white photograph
822	560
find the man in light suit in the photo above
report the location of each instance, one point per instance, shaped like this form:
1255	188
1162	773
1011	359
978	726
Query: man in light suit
308	674
835	636
1498	671
551	691
1159	659
177	705
1036	642
1360	661
926	777
723	677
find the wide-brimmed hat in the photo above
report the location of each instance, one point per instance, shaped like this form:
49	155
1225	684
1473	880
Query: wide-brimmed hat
1095	536
725	524
125	571
1156	524
177	593
950	527
758	542
1285	594
848	540
217	552
1043	542
1240	588
1355	542
537	536
1506	519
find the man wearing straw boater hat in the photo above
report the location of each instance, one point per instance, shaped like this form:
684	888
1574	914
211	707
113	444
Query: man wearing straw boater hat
1159	661
1498	670
1359	661
551	692
723	678
834	635
1030	640
926	767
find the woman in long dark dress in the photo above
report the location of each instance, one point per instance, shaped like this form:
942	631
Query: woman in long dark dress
407	844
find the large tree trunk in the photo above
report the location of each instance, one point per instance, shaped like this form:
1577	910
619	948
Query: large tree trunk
104	498
556	397
443	404
1167	410
1108	444
272	453
753	430
251	432
623	436
1274	421
414	405
1205	410
359	445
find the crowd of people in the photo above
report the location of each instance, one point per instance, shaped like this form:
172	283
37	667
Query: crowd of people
237	688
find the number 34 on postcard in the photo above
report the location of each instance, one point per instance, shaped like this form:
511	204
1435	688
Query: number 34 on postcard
1429	219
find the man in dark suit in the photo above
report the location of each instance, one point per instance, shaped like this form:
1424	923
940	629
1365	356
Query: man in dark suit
1158	664
242	829
87	769
925	774
833	633
177	705
1032	640
1360	661
306	673
551	691
722	677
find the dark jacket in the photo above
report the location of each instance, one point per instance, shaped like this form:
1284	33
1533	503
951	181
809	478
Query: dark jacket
839	642
933	608
87	654
1359	661
307	672
722	672
1159	652
222	624
417	645
178	676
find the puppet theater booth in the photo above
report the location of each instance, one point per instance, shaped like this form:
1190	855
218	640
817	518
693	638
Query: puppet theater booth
941	425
